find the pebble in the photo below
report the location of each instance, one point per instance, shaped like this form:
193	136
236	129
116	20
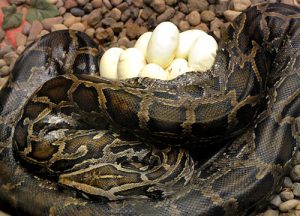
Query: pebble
60	4
117	27
159	6
77	12
94	17
295	173
88	8
62	10
221	8
271	212
230	15
77	27
107	4
286	195
287	182
26	28
126	15
198	5
171	2
49	22
124	42
20	49
276	201
36	28
4	71
4	50
296	159
10	57
207	16
70	4
133	31
2	34
104	35
52	1
3	81
167	15
116	2
90	32
107	22
57	27
96	3
21	39
183	25
115	13
183	8
240	5
43	32
82	2
194	18
138	3
296	189
288	205
2	62
69	19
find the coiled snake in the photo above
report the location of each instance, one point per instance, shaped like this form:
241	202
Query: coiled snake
215	143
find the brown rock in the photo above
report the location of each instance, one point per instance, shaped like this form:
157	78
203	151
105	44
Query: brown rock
177	18
167	15
123	6
60	4
57	27
70	4
133	31
183	25
116	2
107	4
194	18
43	32
82	2
126	15
3	81
146	12
2	34
216	24
117	27
124	42
2	62
230	15
94	17
115	13
171	2
47	23
107	22
77	27
20	49
202	26
69	19
104	35
207	16
36	28
62	10
159	6
21	39
88	8
221	8
96	3
4	71
5	49
138	3
198	5
52	1
183	8
90	32
26	28
240	5
10	57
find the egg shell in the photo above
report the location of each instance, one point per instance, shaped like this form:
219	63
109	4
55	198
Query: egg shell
154	71
186	41
142	42
163	44
178	67
202	54
109	63
130	63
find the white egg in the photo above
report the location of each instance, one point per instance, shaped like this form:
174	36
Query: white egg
202	54
186	40
142	42
130	63
109	62
154	71
178	67
163	44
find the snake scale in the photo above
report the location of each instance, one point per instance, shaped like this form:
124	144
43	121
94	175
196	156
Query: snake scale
213	143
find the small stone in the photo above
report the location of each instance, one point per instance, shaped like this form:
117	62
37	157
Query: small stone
288	205
52	1
47	23
4	71
177	18
230	15
43	32
171	2
240	5
77	12
77	27
21	39
62	10
26	28
96	3
276	201
167	15
70	4
183	8
90	32
207	16
115	13
221	8
296	189
126	15
296	158
123	6
16	2
198	5
60	4
104	35
116	2
107	22
134	13
287	182
124	42
159	6
20	49
138	3
94	17
216	24
5	49
194	18
10	57
82	2
295	173
88	8
133	31
203	27
117	27
69	19
2	62
107	4
36	28
271	212
57	27
286	195
3	81
2	34
146	12
183	25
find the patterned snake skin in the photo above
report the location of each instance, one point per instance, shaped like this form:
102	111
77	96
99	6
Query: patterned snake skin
215	143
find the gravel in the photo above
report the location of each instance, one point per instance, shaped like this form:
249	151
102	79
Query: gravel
118	23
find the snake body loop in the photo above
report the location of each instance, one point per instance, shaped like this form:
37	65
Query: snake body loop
213	143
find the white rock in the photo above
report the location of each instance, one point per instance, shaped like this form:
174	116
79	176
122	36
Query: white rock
186	40
163	44
154	71
178	67
202	54
130	63
288	205
142	42
109	62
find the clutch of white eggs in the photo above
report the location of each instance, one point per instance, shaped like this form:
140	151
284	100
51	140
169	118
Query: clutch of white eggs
162	54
